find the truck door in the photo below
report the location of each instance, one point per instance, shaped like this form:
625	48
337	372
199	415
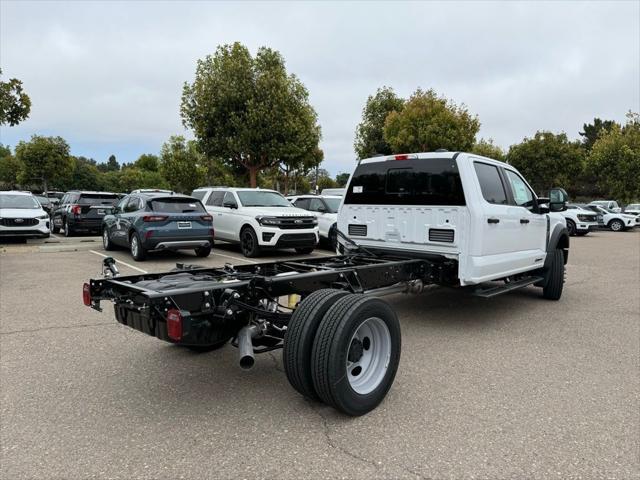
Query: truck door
512	237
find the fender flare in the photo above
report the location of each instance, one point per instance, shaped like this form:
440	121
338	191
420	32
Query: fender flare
559	238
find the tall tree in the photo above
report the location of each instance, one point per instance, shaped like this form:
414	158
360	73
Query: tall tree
10	167
248	110
370	139
147	161
15	104
593	130
182	164
488	149
45	159
614	160
429	122
342	179
548	160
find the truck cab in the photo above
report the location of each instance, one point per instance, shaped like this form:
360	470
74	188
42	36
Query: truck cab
474	210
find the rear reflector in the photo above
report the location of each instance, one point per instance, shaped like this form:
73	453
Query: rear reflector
206	218
76	209
402	157
86	294
154	218
174	324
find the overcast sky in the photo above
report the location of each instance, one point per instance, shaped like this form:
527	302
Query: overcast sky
108	76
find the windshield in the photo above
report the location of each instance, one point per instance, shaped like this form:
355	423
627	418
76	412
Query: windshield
255	198
18	201
97	199
43	200
177	205
333	204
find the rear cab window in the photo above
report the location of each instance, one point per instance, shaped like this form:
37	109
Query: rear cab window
176	205
493	190
429	181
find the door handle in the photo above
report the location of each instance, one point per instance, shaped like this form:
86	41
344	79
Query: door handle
524	220
493	220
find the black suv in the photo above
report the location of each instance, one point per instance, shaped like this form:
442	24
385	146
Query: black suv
81	211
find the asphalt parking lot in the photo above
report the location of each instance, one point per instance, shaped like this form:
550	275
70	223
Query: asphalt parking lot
509	387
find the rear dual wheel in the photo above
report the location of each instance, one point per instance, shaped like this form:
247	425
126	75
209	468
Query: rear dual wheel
355	350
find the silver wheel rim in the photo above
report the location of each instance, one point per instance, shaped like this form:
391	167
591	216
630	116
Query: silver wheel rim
615	226
105	239
134	246
369	355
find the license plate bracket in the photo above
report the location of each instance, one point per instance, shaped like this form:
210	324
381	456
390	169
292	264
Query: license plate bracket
184	225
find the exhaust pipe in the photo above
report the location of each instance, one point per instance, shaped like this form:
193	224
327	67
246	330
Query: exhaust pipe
245	345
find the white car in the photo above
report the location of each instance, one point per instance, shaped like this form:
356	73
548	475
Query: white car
326	208
632	209
579	220
610	205
617	222
333	192
21	215
477	215
258	219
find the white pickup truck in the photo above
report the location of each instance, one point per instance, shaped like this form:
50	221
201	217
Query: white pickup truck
477	212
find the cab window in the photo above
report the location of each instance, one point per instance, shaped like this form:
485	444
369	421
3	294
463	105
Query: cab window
522	195
302	203
317	205
490	183
215	199
133	205
229	199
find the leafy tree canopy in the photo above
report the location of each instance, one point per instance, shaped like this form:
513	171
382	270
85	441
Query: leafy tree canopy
182	164
429	122
548	160
148	162
45	159
15	104
615	160
342	179
370	131
488	149
248	110
593	130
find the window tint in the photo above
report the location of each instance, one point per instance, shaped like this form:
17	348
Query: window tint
264	198
133	205
122	203
433	181
199	194
97	199
215	199
522	196
316	205
490	183
302	203
229	199
177	205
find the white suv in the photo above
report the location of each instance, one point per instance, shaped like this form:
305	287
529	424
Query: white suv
617	222
258	219
579	220
326	208
21	215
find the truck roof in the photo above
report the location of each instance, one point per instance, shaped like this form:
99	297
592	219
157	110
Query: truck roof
430	155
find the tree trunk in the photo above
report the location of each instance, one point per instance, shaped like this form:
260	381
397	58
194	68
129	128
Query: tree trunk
286	182
45	184
253	176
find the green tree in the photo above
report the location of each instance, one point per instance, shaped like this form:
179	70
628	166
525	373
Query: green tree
593	130
248	110
10	168
548	160
15	104
148	162
45	159
428	122
84	176
342	179
488	149
614	160
182	165
370	131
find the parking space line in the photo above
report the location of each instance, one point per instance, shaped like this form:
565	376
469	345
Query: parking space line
120	261
55	236
235	258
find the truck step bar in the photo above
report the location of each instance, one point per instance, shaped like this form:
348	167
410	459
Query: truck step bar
495	290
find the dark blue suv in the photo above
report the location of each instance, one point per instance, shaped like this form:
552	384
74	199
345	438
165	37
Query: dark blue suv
158	221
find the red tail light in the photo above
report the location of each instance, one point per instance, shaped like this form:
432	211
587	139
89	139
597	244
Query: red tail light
76	209
174	324
206	218
402	157
154	218
86	294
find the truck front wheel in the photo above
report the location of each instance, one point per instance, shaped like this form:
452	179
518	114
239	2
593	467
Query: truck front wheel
552	289
356	354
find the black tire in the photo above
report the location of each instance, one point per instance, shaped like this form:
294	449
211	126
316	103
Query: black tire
138	252
571	227
298	341
305	250
334	344
582	233
333	238
616	225
249	243
203	251
68	231
552	289
54	229
106	240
